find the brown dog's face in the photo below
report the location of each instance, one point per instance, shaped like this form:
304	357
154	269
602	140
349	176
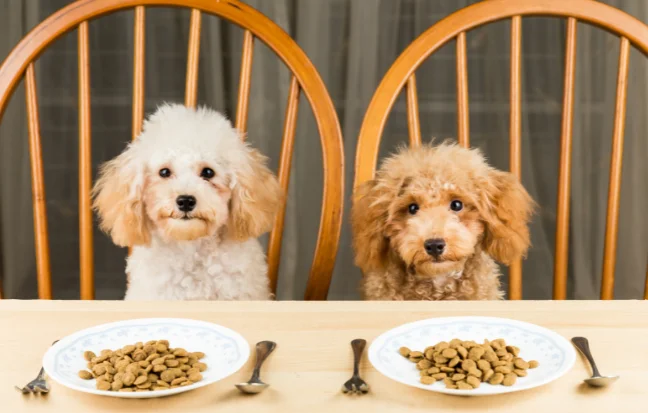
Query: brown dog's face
433	226
431	208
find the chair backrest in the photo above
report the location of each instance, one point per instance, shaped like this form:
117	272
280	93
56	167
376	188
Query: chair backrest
402	74
20	63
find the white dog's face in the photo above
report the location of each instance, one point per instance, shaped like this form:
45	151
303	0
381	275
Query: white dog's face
187	197
187	176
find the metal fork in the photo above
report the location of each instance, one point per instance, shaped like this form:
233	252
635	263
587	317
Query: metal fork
38	385
355	384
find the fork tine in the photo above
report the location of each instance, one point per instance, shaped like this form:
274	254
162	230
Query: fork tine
42	388
23	390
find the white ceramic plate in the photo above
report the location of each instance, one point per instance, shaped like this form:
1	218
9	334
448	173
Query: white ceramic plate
555	354
225	350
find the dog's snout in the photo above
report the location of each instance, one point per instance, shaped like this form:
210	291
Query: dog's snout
186	203
434	247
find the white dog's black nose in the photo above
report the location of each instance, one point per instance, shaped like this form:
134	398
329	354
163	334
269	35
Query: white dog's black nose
434	247
186	203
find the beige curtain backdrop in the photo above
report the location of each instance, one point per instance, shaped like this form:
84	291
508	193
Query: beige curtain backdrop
352	43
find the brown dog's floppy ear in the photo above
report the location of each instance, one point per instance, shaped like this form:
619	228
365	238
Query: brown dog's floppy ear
506	209
256	198
369	216
118	200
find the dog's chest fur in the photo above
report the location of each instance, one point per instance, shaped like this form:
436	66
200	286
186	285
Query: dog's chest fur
205	269
479	280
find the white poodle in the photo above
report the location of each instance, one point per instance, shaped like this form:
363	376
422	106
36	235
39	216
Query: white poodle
190	197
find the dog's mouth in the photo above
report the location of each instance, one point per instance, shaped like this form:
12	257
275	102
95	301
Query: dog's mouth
431	259
184	217
181	217
184	226
425	265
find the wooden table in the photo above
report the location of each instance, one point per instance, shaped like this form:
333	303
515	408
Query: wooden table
314	358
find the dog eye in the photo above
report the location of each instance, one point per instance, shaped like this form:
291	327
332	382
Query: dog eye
456	205
207	173
165	172
413	208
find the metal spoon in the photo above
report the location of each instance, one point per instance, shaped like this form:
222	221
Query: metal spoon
255	385
596	380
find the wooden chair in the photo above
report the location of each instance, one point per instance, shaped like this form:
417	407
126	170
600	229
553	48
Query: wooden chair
401	74
20	63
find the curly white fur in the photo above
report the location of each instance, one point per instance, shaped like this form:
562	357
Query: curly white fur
209	252
206	269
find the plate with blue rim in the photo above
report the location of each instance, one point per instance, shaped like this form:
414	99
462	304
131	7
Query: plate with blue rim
554	353
226	351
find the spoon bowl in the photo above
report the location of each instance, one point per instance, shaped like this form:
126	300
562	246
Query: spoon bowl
602	381
252	388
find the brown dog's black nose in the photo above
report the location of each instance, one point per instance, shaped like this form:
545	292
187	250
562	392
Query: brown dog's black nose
434	247
186	203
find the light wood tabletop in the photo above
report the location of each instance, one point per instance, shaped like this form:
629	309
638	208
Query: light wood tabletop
314	358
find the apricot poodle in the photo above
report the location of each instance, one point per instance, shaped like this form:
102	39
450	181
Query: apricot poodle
432	223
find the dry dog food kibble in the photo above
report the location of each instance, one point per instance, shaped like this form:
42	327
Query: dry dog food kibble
145	367
464	365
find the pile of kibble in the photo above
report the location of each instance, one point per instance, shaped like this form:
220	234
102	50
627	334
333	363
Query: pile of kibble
143	367
464	365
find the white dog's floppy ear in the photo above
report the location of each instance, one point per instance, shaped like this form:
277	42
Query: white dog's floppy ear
369	217
118	200
256	197
506	209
